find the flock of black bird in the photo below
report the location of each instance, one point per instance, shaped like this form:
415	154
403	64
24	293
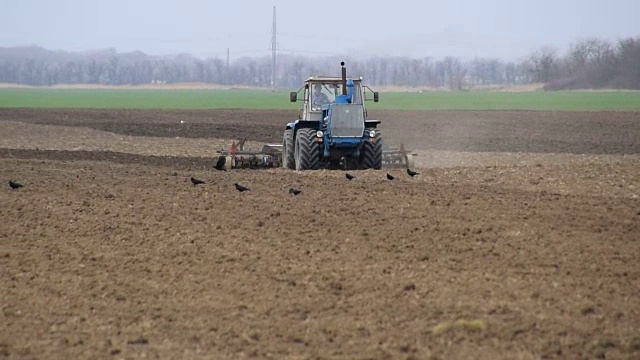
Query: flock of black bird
220	166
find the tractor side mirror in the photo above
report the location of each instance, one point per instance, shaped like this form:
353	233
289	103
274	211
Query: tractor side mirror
376	97
293	96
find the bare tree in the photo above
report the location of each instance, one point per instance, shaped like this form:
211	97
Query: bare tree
543	64
455	72
628	64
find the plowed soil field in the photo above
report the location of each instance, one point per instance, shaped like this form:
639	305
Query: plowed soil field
520	239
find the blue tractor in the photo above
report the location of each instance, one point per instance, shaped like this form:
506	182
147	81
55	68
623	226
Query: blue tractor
332	129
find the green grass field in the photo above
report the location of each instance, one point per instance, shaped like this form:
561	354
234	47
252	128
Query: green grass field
251	99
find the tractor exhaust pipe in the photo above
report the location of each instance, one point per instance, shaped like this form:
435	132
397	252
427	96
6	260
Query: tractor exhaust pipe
344	79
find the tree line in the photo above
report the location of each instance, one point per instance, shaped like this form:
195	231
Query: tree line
588	64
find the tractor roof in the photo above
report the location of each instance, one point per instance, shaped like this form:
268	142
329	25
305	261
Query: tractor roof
330	78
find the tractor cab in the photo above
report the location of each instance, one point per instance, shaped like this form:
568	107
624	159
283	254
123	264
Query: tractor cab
319	91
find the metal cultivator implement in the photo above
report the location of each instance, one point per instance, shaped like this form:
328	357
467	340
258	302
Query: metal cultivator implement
332	131
398	157
270	156
237	158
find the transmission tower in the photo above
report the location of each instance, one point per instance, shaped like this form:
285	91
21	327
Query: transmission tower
273	52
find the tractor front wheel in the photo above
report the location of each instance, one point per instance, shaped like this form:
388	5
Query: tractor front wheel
289	161
371	152
307	150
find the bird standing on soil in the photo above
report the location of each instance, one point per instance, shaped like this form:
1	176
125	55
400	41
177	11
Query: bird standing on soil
222	160
390	177
349	176
294	191
14	185
241	188
195	181
412	173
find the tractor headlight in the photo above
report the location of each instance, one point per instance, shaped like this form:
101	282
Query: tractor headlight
319	133
372	133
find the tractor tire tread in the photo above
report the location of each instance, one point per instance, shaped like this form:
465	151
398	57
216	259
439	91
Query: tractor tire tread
309	150
289	161
371	154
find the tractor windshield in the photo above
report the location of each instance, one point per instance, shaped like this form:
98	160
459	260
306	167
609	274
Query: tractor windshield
322	94
325	93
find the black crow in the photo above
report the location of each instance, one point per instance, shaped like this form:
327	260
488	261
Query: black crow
195	181
294	191
349	176
15	185
412	173
390	177
241	188
222	160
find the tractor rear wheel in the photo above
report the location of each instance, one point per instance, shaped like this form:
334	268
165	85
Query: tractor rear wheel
289	161
371	153
307	150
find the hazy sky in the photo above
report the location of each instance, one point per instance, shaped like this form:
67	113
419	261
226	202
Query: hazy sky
507	29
